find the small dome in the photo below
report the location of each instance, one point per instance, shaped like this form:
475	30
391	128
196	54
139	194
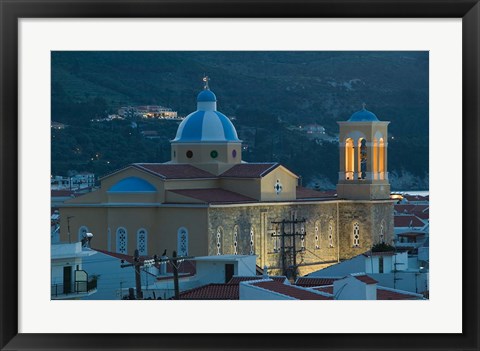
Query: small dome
363	116
132	184
206	95
206	126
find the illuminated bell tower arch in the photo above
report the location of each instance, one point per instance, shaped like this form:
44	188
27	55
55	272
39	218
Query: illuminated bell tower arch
363	146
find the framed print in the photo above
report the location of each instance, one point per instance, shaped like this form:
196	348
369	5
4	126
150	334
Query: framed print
45	43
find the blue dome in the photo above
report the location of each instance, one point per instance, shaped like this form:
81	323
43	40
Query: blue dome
363	116
132	184
206	95
208	126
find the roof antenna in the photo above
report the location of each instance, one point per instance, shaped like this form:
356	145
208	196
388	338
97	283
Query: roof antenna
206	79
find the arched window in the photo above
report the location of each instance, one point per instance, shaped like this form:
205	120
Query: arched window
302	237
375	159
252	241
182	241
235	240
82	231
330	234
142	242
382	232
317	231
356	235
362	158
122	240
381	159
219	240
349	159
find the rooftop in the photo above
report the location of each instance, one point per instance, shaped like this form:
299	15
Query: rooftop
212	292
173	171
290	290
249	170
213	195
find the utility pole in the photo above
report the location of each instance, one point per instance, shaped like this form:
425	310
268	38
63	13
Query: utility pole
138	279
289	251
148	263
175	275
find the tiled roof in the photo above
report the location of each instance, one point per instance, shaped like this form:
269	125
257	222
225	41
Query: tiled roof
62	193
422	215
365	278
305	193
387	294
173	171
212	292
382	293
410	208
290	290
249	170
213	195
407	221
237	280
416	198
314	281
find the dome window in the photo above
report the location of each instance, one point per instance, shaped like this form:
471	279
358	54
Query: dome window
214	154
189	154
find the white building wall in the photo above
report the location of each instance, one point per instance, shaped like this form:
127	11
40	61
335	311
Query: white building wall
350	288
111	276
407	281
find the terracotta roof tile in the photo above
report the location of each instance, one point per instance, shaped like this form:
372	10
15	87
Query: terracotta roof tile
411	234
407	221
291	290
366	279
213	195
173	171
212	292
314	281
384	294
249	170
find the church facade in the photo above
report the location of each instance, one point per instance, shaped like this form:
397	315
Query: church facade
207	201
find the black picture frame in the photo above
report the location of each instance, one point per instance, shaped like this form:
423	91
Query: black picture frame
12	11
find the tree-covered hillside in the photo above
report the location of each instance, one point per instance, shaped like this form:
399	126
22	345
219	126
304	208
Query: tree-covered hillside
269	95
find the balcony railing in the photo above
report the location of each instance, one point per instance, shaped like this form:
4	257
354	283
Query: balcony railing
73	288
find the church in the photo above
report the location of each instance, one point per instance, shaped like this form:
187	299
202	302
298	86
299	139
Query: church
207	201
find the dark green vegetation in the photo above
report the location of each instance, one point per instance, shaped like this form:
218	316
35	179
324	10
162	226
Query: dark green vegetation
268	93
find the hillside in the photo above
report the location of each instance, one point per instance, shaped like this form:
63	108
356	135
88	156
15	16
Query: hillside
268	93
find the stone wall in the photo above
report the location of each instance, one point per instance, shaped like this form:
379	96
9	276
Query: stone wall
327	238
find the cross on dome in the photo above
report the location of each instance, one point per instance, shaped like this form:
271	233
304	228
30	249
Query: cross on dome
364	105
206	79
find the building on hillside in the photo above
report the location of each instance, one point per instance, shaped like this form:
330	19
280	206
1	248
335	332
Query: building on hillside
207	201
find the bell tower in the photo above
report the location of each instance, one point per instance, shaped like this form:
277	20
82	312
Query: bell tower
363	146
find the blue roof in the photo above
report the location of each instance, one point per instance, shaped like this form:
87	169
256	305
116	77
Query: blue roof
206	95
132	184
363	116
206	126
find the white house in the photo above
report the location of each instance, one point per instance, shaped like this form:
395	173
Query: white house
68	278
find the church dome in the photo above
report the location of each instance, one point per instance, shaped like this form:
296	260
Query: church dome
206	95
206	124
363	116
